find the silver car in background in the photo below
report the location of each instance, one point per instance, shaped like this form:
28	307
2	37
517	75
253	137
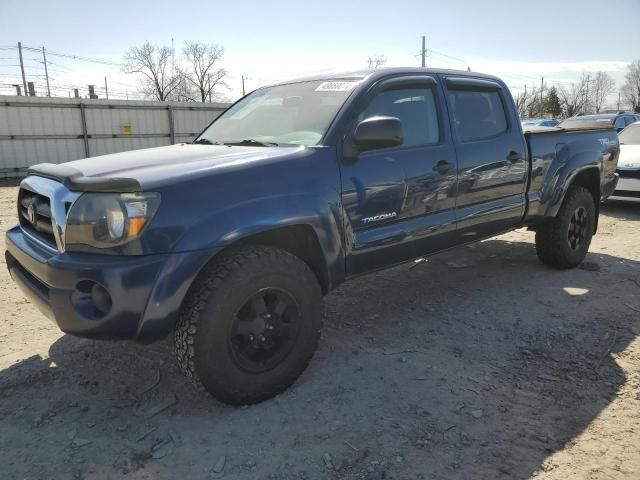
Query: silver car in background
629	164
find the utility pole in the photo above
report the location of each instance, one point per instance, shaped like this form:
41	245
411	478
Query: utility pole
46	72
243	85
618	100
586	95
24	80
424	52
106	89
541	90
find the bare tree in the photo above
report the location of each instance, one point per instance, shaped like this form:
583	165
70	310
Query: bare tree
185	92
528	102
376	62
533	105
154	63
573	96
602	86
631	88
202	72
522	99
586	81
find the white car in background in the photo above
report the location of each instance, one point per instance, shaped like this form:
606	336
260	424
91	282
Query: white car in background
628	187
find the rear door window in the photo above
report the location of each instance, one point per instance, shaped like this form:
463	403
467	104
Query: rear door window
477	115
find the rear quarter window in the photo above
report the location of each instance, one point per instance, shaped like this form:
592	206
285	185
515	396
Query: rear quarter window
477	115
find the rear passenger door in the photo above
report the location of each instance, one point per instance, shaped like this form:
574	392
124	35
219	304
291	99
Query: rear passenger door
492	157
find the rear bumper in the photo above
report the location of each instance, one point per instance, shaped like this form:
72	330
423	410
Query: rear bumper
105	296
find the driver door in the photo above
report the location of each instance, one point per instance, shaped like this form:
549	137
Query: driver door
400	201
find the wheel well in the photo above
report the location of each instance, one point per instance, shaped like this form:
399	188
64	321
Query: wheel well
299	240
590	179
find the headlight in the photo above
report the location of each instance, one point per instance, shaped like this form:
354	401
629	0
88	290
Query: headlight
104	220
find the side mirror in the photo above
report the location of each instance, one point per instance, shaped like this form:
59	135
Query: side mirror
378	132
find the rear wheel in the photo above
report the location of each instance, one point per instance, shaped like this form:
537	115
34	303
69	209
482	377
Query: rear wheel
563	243
249	325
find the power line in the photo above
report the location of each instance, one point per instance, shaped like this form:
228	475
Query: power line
431	51
77	57
524	76
58	65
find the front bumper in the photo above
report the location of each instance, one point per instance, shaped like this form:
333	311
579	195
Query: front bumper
628	187
94	295
610	186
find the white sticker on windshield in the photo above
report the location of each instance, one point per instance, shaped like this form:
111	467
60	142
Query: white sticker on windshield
337	86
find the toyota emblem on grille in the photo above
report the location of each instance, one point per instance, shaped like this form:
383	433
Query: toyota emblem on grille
31	214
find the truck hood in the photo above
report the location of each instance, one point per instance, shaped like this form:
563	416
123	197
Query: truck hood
154	167
629	157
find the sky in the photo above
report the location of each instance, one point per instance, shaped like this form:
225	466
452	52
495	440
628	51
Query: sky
275	40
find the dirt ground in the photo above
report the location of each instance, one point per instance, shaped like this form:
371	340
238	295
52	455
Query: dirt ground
478	364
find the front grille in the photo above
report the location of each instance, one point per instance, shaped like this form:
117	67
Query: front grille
34	212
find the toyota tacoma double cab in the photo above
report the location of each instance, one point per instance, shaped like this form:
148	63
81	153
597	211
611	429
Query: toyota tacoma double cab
230	242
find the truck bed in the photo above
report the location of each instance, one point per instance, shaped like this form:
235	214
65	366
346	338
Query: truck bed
556	153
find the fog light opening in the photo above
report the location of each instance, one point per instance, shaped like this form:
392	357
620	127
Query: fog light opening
91	300
101	298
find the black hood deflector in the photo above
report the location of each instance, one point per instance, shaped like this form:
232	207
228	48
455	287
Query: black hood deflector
75	181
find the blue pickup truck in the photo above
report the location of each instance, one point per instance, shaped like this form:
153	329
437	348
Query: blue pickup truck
230	242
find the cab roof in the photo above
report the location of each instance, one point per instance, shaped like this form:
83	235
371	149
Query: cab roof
373	75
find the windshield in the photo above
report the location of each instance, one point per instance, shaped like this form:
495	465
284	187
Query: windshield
630	135
582	122
293	114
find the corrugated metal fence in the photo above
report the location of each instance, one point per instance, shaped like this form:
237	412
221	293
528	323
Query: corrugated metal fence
55	130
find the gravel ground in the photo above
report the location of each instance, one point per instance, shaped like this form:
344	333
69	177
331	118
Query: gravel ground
478	364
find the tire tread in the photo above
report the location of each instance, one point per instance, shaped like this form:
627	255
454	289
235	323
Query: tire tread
206	284
551	235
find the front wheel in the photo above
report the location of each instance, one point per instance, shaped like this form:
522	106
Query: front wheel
563	243
249	325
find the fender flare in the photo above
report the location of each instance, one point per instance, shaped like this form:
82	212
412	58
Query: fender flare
202	243
564	176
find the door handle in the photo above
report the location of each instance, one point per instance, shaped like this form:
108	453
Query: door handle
514	156
442	167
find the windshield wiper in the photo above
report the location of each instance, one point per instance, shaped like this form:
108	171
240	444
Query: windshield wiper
251	142
204	141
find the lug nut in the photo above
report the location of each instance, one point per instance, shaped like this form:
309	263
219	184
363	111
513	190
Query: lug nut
268	326
263	338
